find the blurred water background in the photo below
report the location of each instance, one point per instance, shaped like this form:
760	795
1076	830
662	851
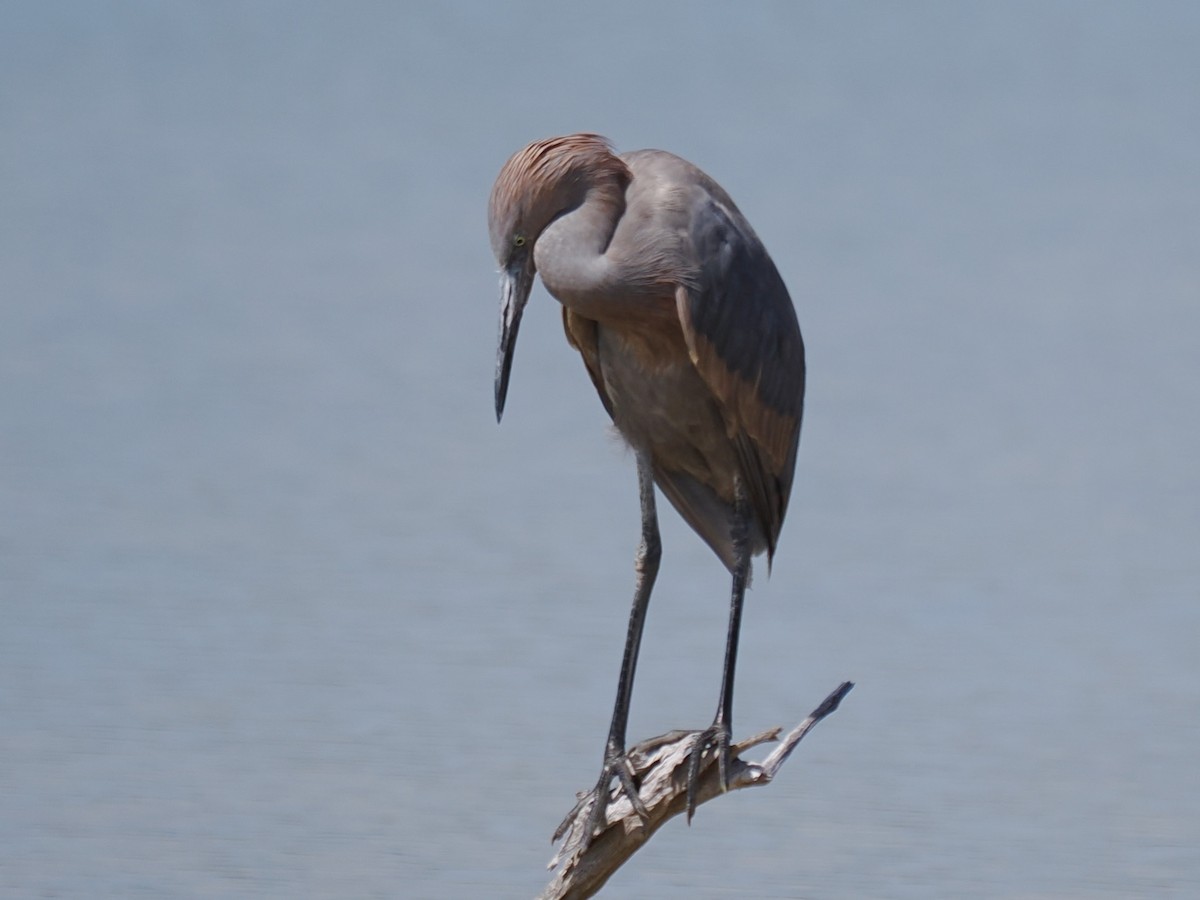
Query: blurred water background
284	613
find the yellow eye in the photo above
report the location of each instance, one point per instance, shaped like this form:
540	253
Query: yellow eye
519	240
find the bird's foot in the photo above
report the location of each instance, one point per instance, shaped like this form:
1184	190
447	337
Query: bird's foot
714	738
616	765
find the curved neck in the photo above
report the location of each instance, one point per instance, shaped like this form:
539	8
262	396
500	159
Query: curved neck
570	252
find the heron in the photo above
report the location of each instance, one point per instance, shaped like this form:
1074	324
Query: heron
690	337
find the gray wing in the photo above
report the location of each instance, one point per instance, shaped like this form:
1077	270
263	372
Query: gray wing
744	339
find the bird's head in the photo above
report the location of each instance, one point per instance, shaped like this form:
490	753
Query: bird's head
534	187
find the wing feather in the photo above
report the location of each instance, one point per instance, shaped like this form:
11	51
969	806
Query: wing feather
581	334
744	339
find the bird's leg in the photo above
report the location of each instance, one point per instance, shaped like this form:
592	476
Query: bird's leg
616	764
716	737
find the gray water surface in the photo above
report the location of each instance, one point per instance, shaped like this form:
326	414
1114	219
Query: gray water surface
284	613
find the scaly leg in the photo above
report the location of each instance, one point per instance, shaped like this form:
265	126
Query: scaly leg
717	736
616	765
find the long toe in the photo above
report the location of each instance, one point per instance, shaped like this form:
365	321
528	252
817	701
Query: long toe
594	804
712	742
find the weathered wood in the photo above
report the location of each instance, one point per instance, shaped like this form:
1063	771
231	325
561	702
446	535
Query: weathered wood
660	767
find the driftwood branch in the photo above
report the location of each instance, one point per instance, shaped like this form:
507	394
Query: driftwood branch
660	769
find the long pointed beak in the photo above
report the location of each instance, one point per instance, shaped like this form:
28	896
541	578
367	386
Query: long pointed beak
515	284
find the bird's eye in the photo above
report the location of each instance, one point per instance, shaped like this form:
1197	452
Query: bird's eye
519	240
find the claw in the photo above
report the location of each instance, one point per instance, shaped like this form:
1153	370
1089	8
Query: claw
715	738
599	797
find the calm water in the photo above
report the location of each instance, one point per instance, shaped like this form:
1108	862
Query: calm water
282	611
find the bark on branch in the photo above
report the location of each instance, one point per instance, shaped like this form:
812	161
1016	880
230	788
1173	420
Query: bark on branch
660	767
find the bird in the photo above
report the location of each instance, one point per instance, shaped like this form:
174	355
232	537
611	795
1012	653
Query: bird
690	337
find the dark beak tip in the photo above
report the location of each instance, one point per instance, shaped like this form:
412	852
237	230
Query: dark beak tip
501	394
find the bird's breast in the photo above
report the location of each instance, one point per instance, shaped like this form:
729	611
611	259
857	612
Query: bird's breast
661	405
